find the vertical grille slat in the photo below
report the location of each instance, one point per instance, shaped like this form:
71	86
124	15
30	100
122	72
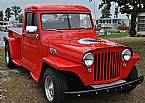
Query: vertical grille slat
105	58
107	65
111	66
98	67
102	67
115	58
95	71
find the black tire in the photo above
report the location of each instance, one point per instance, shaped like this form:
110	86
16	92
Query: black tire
8	58
132	76
59	84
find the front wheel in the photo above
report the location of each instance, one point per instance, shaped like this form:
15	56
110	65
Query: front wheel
132	76
54	86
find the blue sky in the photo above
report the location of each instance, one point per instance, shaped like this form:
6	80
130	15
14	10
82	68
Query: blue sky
24	3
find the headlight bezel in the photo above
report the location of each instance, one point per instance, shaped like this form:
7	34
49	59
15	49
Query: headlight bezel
127	52
84	58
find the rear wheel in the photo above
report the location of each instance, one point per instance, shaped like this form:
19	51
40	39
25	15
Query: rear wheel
54	86
8	59
132	76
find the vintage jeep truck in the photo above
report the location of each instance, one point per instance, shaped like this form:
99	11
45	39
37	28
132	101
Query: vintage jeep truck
59	46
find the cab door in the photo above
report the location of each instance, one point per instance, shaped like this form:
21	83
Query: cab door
30	42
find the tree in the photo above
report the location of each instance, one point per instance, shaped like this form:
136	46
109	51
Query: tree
131	7
1	15
116	12
20	18
16	11
8	14
105	13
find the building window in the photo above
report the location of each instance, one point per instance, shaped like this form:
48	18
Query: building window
115	21
103	21
141	23
100	21
97	22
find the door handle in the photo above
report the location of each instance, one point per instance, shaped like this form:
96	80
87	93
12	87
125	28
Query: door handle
37	37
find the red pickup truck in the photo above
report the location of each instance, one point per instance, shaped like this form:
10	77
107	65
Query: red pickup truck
59	46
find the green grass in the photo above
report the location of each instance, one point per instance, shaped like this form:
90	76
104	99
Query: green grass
117	35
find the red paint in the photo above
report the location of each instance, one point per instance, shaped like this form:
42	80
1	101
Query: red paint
30	53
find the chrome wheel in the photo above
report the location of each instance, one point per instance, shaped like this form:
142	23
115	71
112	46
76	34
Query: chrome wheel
8	59
49	88
7	56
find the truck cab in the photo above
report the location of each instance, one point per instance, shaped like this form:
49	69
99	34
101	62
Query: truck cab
59	46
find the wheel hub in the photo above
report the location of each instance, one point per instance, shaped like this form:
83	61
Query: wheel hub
49	88
7	56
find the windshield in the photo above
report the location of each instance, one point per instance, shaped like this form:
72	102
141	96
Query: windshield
65	21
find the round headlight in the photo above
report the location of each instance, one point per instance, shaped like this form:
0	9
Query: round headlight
126	54
88	59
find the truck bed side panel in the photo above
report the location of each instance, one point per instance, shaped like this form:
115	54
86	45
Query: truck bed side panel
14	40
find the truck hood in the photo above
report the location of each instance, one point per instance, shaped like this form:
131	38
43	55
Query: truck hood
74	48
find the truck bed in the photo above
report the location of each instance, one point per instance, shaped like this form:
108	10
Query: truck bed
17	31
15	34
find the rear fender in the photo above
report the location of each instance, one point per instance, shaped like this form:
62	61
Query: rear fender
62	64
15	46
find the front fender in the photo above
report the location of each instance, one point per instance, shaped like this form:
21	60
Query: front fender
129	65
69	66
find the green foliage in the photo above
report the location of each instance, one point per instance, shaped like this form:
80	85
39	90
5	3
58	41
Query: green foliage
106	12
8	14
1	15
20	18
16	11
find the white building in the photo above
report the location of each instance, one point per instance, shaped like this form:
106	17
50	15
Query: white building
141	24
113	21
111	25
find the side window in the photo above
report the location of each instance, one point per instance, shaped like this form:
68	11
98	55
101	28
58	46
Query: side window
35	20
31	19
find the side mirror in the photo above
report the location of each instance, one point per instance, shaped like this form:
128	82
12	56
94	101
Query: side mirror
31	29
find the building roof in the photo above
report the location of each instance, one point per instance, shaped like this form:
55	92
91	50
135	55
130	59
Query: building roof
44	7
111	19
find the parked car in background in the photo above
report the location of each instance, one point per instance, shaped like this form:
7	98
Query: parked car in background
104	29
113	31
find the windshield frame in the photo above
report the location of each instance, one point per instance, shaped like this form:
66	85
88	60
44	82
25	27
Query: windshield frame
92	26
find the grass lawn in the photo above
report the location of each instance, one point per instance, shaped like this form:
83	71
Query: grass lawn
117	35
